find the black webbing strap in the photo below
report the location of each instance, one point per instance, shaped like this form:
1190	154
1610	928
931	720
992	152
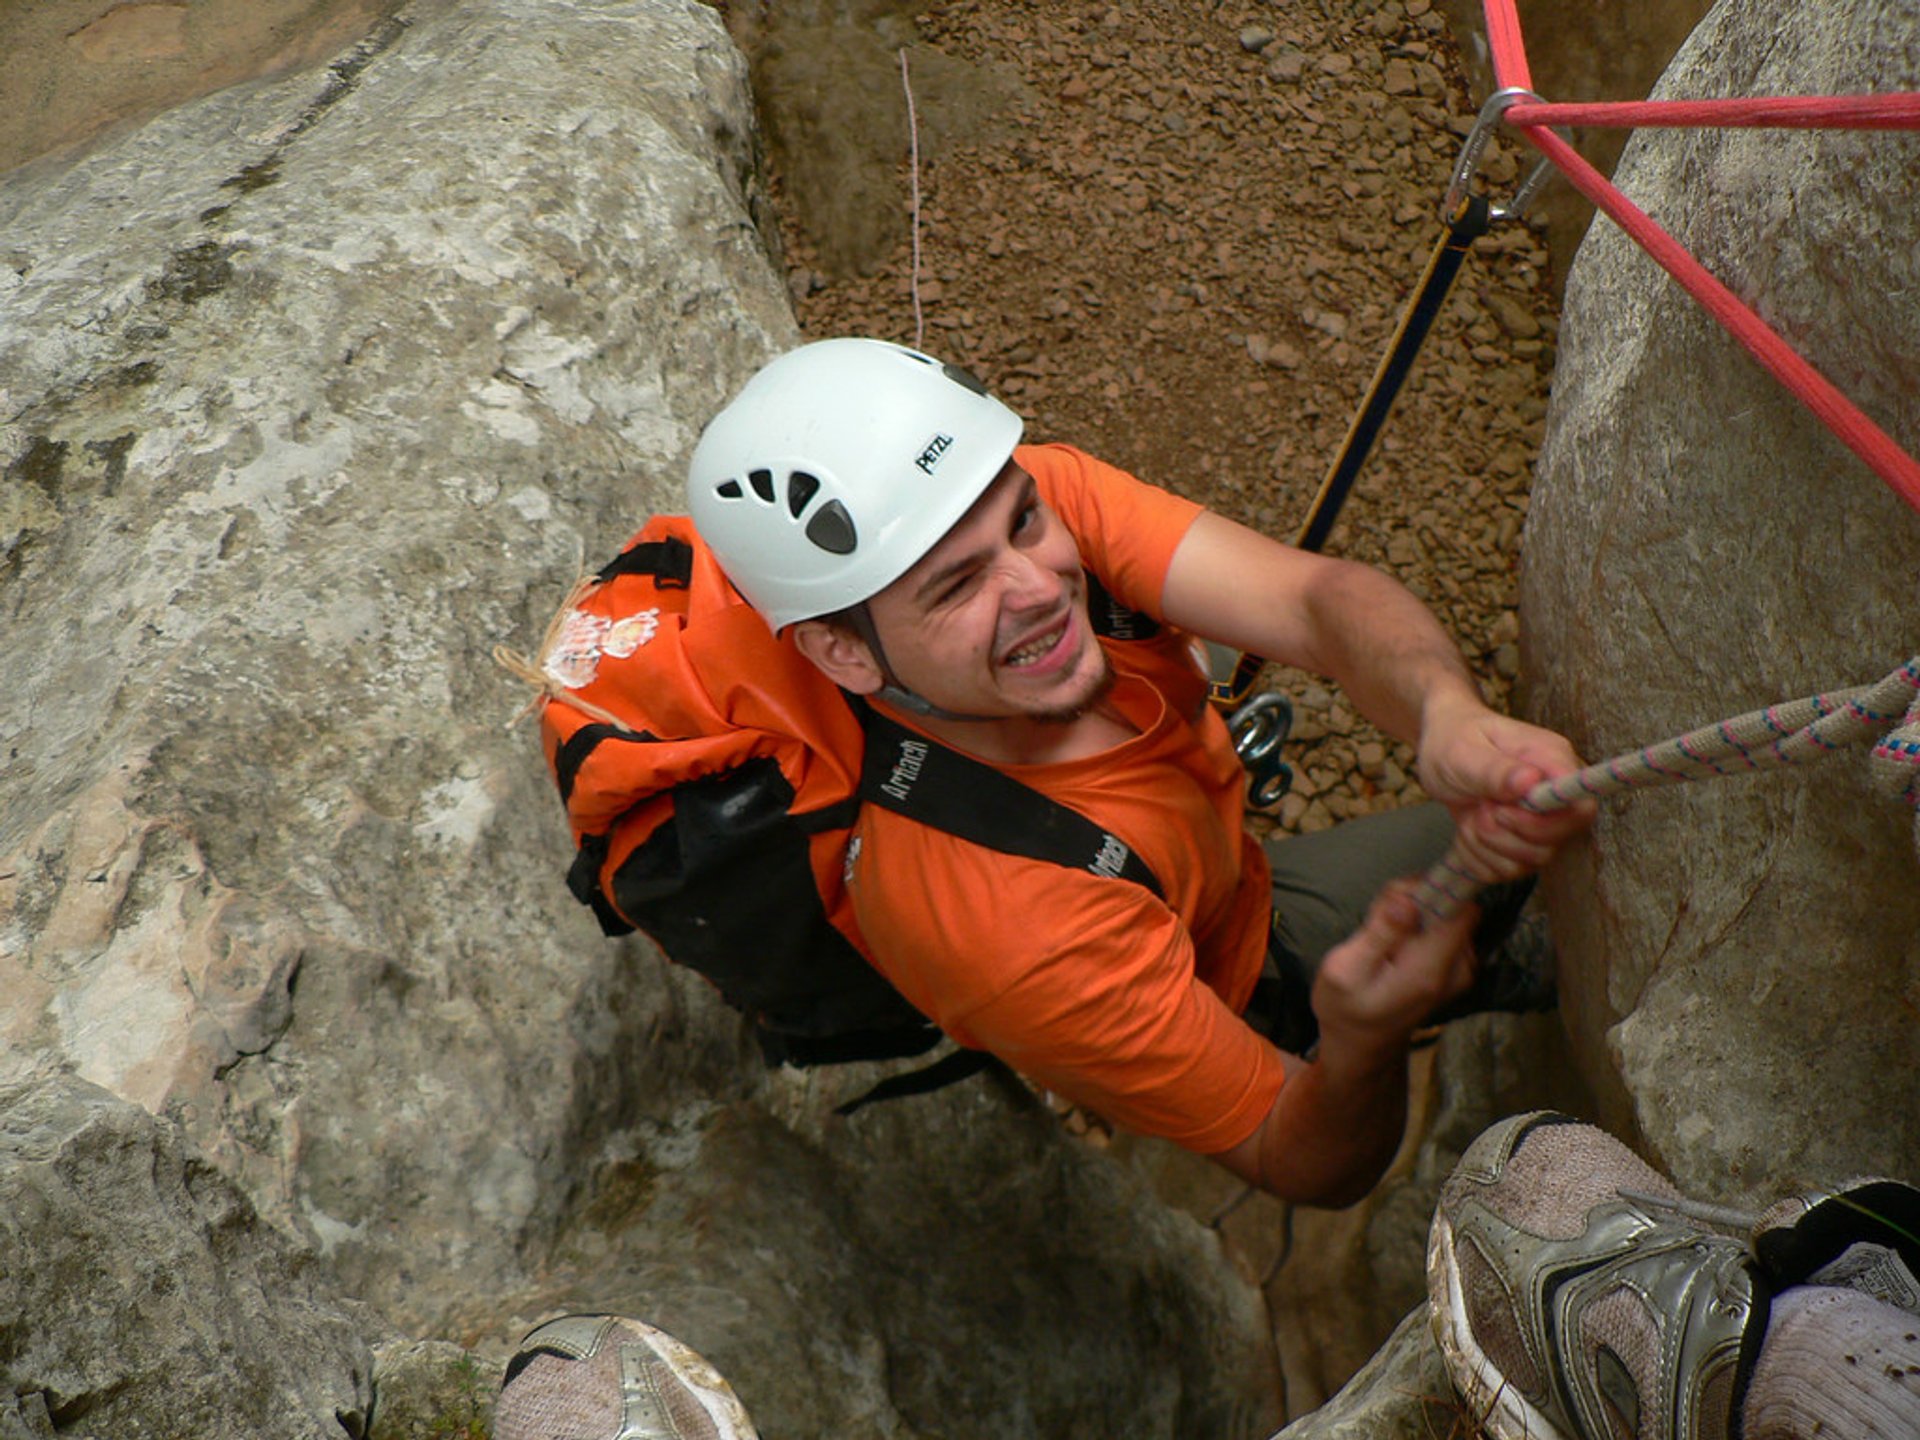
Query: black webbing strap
919	777
668	561
1469	223
573	753
1442	266
1112	620
949	1069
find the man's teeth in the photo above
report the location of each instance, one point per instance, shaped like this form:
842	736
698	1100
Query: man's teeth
1031	652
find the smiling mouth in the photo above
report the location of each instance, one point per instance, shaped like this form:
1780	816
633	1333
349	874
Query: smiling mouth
1036	649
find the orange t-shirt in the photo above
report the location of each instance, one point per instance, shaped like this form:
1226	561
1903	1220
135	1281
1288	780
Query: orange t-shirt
1094	987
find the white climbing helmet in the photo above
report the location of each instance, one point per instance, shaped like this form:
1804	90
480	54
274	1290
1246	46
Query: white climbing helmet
837	467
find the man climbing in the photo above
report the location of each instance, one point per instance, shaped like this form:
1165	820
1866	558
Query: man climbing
877	508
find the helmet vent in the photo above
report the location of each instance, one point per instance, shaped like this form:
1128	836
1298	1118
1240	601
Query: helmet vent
965	379
762	482
729	490
831	528
801	487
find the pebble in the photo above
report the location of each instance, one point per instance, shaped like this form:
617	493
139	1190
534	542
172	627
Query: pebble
1287	65
1511	315
1255	38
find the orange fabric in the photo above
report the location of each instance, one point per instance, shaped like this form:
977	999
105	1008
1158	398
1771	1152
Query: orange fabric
1093	987
718	684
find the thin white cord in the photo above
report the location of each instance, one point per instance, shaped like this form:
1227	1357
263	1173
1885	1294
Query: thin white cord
913	153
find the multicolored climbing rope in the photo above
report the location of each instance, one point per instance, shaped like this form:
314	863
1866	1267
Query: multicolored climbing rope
1791	733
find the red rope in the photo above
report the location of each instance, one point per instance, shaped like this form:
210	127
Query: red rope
1899	111
1839	414
1509	53
1860	435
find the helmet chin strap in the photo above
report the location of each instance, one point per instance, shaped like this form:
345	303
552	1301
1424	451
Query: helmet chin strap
893	692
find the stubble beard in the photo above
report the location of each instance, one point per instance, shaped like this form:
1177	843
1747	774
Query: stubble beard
1066	714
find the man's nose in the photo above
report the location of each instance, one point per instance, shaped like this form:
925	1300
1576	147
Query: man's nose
1030	584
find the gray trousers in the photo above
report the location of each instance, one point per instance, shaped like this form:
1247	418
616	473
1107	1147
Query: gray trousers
1323	884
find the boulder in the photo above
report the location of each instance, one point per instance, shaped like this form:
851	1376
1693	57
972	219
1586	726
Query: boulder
315	390
1402	1393
319	389
142	1294
1740	961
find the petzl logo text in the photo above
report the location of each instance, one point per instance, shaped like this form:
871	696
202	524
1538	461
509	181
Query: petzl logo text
930	456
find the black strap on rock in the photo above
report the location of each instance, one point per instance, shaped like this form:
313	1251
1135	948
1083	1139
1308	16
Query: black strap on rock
949	1069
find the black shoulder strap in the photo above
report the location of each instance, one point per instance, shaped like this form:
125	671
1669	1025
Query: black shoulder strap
669	561
919	777
1113	620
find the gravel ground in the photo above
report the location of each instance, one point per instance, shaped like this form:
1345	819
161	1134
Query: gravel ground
1180	236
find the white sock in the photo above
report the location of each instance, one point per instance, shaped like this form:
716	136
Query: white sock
1835	1363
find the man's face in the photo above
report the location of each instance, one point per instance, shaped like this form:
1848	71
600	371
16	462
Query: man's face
993	620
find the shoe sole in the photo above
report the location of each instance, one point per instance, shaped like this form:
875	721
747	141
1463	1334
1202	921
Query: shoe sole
631	1384
1496	1406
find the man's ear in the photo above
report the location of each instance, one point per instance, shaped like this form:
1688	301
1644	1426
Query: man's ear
840	654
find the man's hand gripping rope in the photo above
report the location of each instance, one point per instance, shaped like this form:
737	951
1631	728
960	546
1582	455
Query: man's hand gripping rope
1784	734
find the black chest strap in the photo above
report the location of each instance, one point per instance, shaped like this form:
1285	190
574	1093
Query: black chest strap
919	777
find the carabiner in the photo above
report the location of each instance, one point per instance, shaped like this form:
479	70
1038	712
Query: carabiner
1475	146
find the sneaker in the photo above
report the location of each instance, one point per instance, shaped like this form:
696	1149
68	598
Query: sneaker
1566	1311
601	1377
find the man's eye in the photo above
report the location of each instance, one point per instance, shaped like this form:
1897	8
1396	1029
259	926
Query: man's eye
1026	519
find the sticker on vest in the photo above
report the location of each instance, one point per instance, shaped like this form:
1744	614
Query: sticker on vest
853	854
628	635
574	655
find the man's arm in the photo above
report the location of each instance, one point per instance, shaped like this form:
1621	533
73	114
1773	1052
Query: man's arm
1337	1121
1370	634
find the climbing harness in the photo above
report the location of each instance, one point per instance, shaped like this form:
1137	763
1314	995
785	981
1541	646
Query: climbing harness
1785	734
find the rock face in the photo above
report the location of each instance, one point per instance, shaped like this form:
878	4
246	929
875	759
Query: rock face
145	1270
1740	960
314	391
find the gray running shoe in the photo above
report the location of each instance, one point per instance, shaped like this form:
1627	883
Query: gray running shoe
601	1377
1567	1312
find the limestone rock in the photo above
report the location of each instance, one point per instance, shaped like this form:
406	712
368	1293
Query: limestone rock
305	419
1739	959
142	1295
1402	1393
431	1390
